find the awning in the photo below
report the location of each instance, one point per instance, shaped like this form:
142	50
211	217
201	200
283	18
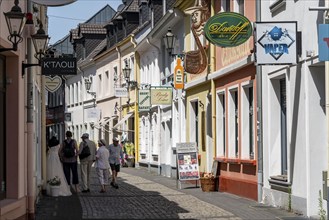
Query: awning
122	121
105	120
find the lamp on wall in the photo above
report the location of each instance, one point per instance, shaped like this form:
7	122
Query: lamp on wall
170	42
88	85
15	20
126	73
40	42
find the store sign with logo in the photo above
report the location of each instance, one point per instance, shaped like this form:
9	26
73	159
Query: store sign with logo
323	42
53	2
121	92
59	66
228	29
276	43
161	96
53	83
144	100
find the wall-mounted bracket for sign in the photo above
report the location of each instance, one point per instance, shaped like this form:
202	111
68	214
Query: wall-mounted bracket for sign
27	65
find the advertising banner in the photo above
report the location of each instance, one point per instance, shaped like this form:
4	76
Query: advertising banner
276	43
161	96
323	42
187	161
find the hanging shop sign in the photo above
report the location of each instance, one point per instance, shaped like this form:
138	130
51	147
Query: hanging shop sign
53	2
144	100
179	75
323	42
161	96
59	66
228	29
276	43
52	83
121	92
187	160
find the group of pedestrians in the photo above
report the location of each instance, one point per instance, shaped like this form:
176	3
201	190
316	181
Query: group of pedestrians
62	161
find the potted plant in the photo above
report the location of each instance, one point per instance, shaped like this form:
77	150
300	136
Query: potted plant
54	184
208	182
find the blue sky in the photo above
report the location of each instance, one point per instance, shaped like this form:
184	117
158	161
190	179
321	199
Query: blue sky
64	18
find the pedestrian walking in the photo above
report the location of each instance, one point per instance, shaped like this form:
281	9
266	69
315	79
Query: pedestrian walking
116	154
102	164
68	154
55	168
87	151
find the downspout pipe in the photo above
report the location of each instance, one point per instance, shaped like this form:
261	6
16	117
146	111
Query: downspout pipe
260	177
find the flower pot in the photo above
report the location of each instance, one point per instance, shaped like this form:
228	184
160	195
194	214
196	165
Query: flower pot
54	190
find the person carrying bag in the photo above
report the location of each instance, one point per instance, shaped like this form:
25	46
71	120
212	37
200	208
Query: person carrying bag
86	160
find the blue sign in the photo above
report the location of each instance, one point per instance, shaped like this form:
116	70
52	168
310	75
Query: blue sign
323	42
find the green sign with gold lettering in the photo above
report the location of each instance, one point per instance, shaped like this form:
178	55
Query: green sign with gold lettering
228	29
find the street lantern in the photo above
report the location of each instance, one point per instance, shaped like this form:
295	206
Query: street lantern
15	20
40	42
169	41
87	84
126	72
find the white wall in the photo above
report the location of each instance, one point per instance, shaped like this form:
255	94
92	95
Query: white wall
306	127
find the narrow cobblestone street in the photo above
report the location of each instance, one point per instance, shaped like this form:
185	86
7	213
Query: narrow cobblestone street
142	195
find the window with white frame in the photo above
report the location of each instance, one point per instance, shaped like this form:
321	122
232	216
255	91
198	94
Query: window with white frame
115	75
76	93
247	119
226	5
107	81
100	87
132	66
239	6
278	125
233	121
220	123
194	121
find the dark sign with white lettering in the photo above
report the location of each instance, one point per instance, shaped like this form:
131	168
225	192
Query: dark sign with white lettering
59	66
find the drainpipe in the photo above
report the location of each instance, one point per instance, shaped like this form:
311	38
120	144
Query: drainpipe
136	134
326	21
213	88
259	119
31	182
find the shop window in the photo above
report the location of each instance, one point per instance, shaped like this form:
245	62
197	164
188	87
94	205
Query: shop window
220	124
226	5
239	6
194	122
233	124
278	127
247	129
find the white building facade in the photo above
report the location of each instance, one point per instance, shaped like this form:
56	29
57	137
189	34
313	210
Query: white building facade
294	117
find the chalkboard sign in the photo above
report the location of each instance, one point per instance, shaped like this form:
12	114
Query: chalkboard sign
187	161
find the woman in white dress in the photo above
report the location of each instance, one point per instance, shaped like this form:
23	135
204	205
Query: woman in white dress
55	168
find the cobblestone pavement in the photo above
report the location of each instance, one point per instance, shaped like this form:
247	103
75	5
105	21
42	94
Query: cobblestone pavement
142	195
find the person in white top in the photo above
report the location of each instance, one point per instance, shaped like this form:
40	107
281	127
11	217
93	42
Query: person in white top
102	164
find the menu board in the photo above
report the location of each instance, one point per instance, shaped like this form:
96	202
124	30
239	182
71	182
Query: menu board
187	161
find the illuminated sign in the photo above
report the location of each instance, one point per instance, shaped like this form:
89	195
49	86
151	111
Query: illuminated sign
228	29
276	43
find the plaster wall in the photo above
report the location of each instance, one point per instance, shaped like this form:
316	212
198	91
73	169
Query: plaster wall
306	128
